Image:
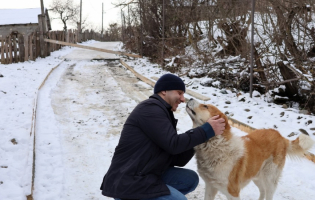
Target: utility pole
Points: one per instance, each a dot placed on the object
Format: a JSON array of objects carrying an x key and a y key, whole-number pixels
[
  {"x": 252, "y": 50},
  {"x": 80, "y": 24},
  {"x": 42, "y": 30},
  {"x": 42, "y": 7},
  {"x": 141, "y": 25},
  {"x": 43, "y": 15},
  {"x": 122, "y": 24},
  {"x": 102, "y": 18},
  {"x": 163, "y": 10},
  {"x": 129, "y": 16},
  {"x": 80, "y": 13}
]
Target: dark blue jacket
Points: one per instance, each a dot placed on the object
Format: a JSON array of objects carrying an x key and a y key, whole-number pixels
[{"x": 148, "y": 145}]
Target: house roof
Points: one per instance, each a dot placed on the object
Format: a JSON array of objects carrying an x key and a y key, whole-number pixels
[{"x": 19, "y": 16}]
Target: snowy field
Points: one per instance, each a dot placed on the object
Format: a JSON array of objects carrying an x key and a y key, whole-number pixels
[{"x": 80, "y": 111}]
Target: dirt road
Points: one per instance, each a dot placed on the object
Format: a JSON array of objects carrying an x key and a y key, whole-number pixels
[{"x": 91, "y": 104}]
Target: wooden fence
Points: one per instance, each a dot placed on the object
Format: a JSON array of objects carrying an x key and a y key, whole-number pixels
[{"x": 19, "y": 48}]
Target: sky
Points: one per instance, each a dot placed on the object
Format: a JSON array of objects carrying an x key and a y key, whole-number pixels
[
  {"x": 80, "y": 112},
  {"x": 92, "y": 9}
]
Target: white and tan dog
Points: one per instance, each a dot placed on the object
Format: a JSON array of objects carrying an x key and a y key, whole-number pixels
[{"x": 227, "y": 163}]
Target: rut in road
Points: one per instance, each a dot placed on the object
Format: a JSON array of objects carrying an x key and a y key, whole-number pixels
[{"x": 91, "y": 102}]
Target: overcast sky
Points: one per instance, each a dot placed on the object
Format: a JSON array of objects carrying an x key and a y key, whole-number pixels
[{"x": 92, "y": 9}]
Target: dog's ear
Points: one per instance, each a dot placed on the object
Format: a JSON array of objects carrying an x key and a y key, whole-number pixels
[
  {"x": 215, "y": 111},
  {"x": 227, "y": 125}
]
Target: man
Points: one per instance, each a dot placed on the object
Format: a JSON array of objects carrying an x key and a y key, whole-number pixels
[{"x": 143, "y": 165}]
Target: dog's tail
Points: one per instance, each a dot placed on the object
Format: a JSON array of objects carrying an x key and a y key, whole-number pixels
[{"x": 300, "y": 146}]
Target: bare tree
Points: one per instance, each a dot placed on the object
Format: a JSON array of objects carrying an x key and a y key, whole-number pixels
[
  {"x": 85, "y": 24},
  {"x": 114, "y": 32},
  {"x": 65, "y": 10}
]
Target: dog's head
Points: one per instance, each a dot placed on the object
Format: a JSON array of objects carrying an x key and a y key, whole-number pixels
[{"x": 200, "y": 113}]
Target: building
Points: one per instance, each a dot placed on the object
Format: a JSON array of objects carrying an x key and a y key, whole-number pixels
[{"x": 21, "y": 21}]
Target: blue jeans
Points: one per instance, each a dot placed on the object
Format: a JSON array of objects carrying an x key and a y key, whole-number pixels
[{"x": 180, "y": 182}]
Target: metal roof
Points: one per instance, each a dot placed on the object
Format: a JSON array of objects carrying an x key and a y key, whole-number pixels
[{"x": 19, "y": 16}]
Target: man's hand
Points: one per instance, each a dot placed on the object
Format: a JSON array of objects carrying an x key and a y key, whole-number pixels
[{"x": 218, "y": 124}]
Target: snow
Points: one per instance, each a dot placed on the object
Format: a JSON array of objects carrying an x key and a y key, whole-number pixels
[
  {"x": 81, "y": 108},
  {"x": 13, "y": 16}
]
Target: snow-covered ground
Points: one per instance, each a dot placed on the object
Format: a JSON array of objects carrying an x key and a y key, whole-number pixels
[{"x": 80, "y": 111}]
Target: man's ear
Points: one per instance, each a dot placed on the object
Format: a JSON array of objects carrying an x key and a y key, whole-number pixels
[{"x": 163, "y": 93}]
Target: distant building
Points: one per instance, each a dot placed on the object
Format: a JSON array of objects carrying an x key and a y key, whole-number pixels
[{"x": 21, "y": 21}]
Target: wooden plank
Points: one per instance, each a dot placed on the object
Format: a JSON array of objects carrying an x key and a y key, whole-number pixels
[
  {"x": 37, "y": 45},
  {"x": 10, "y": 50},
  {"x": 92, "y": 48},
  {"x": 52, "y": 45},
  {"x": 41, "y": 36},
  {"x": 240, "y": 125},
  {"x": 6, "y": 50},
  {"x": 144, "y": 79},
  {"x": 56, "y": 47},
  {"x": 75, "y": 37},
  {"x": 52, "y": 36},
  {"x": 63, "y": 35},
  {"x": 72, "y": 38},
  {"x": 15, "y": 57},
  {"x": 2, "y": 51},
  {"x": 26, "y": 48},
  {"x": 30, "y": 46},
  {"x": 47, "y": 46},
  {"x": 21, "y": 48},
  {"x": 33, "y": 132},
  {"x": 67, "y": 36},
  {"x": 152, "y": 83},
  {"x": 57, "y": 38}
]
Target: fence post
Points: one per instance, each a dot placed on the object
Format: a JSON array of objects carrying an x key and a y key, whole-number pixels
[
  {"x": 72, "y": 36},
  {"x": 2, "y": 50},
  {"x": 79, "y": 31},
  {"x": 6, "y": 50},
  {"x": 63, "y": 36},
  {"x": 10, "y": 50},
  {"x": 41, "y": 36},
  {"x": 15, "y": 58},
  {"x": 21, "y": 48},
  {"x": 30, "y": 46},
  {"x": 67, "y": 35},
  {"x": 47, "y": 45},
  {"x": 37, "y": 45}
]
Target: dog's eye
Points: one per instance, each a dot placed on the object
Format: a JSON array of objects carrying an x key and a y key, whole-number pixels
[{"x": 205, "y": 106}]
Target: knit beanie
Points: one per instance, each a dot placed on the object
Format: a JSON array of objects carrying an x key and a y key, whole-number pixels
[{"x": 169, "y": 82}]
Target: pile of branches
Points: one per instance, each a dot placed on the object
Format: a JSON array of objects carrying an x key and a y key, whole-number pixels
[{"x": 214, "y": 30}]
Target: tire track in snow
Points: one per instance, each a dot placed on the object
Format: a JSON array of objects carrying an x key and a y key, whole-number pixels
[{"x": 91, "y": 106}]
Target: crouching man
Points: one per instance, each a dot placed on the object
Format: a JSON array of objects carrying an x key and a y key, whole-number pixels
[{"x": 149, "y": 149}]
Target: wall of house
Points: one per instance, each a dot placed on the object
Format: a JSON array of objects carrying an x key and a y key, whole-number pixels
[{"x": 24, "y": 29}]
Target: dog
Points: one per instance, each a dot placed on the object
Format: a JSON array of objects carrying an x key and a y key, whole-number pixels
[{"x": 227, "y": 163}]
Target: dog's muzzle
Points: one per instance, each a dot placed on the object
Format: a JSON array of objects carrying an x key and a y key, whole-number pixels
[{"x": 190, "y": 105}]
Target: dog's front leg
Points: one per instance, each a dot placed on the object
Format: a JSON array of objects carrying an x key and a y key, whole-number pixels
[{"x": 210, "y": 192}]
